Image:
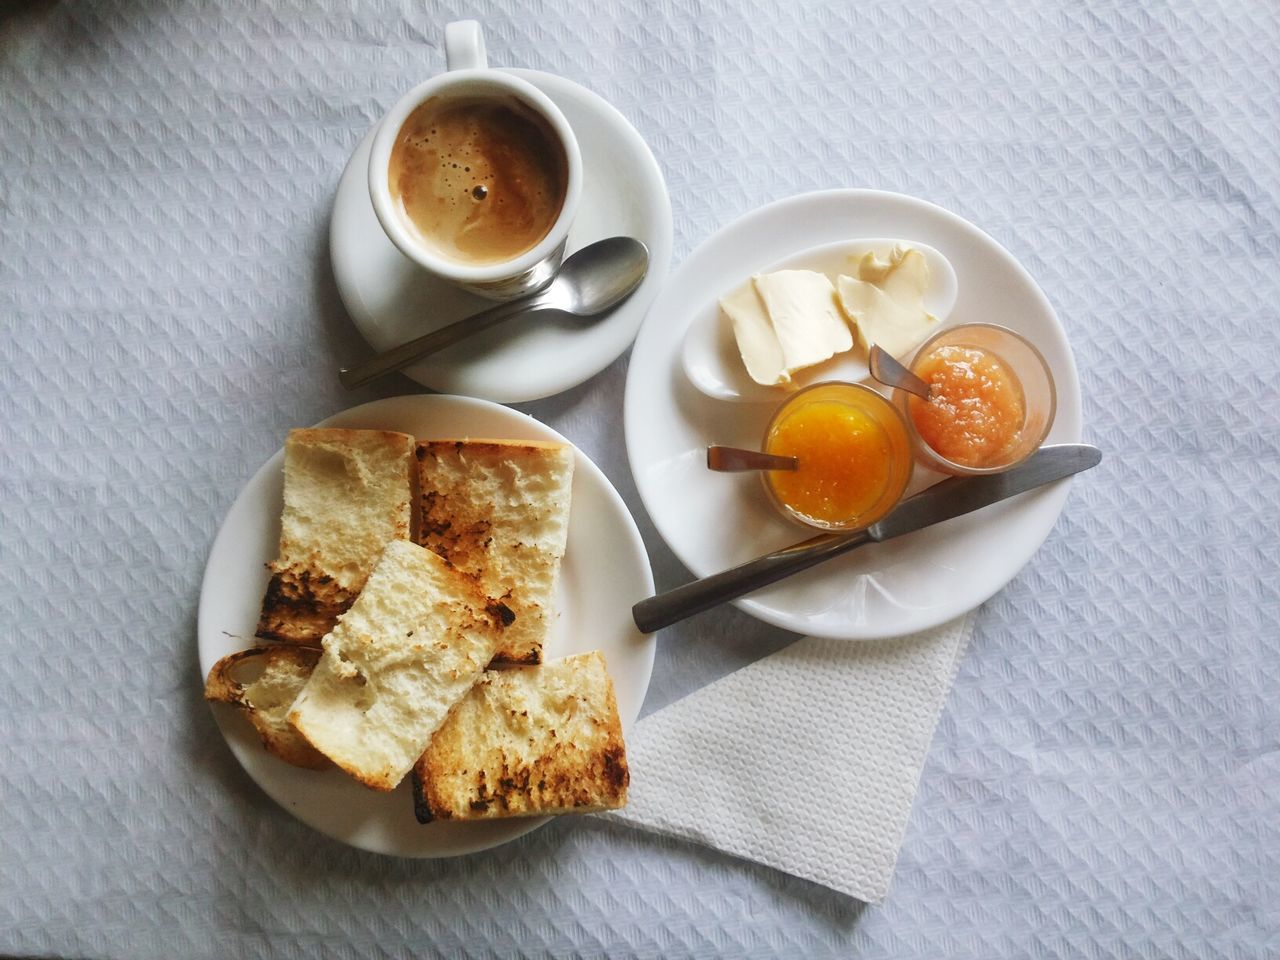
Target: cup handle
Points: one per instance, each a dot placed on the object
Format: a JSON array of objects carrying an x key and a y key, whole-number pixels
[{"x": 464, "y": 46}]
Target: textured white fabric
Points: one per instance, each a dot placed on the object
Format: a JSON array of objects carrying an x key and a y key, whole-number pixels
[
  {"x": 805, "y": 761},
  {"x": 1104, "y": 780}
]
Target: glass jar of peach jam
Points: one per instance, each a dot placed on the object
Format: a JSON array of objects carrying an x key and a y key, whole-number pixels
[{"x": 992, "y": 400}]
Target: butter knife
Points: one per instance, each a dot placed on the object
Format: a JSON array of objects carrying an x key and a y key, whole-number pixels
[{"x": 950, "y": 498}]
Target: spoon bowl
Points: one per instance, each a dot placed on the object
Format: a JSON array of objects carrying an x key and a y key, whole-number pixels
[{"x": 596, "y": 279}]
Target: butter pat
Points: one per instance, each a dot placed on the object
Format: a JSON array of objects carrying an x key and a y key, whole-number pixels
[
  {"x": 802, "y": 308},
  {"x": 758, "y": 344},
  {"x": 786, "y": 321},
  {"x": 885, "y": 301}
]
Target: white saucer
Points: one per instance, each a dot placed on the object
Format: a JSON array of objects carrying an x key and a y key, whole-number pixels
[
  {"x": 713, "y": 521},
  {"x": 392, "y": 300},
  {"x": 605, "y": 572}
]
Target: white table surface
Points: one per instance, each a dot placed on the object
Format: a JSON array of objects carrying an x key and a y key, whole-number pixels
[{"x": 1105, "y": 780}]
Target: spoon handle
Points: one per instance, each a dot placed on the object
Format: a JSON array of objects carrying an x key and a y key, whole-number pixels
[
  {"x": 735, "y": 459},
  {"x": 885, "y": 369},
  {"x": 399, "y": 357}
]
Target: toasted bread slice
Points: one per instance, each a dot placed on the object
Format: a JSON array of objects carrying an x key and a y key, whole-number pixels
[
  {"x": 416, "y": 639},
  {"x": 499, "y": 511},
  {"x": 263, "y": 682},
  {"x": 527, "y": 741},
  {"x": 346, "y": 494}
]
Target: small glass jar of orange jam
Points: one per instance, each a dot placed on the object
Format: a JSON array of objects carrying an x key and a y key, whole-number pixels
[
  {"x": 991, "y": 404},
  {"x": 854, "y": 454}
]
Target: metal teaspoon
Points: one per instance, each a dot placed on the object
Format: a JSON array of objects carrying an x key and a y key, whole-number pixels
[{"x": 591, "y": 282}]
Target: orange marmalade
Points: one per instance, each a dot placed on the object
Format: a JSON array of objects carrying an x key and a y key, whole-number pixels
[
  {"x": 854, "y": 455},
  {"x": 975, "y": 413}
]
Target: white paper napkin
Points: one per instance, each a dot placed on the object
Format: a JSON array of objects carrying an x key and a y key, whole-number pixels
[{"x": 806, "y": 761}]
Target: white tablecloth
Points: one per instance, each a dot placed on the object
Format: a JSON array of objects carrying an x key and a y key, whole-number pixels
[{"x": 1105, "y": 780}]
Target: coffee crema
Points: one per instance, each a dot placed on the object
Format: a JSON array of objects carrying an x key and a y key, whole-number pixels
[{"x": 480, "y": 181}]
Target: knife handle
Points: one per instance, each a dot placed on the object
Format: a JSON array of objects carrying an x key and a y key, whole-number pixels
[{"x": 697, "y": 596}]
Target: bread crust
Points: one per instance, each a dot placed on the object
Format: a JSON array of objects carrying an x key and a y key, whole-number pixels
[{"x": 230, "y": 682}]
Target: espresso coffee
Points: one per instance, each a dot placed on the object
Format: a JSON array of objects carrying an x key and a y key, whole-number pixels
[{"x": 480, "y": 181}]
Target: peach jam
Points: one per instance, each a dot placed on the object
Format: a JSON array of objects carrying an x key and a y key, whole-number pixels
[
  {"x": 975, "y": 414},
  {"x": 853, "y": 450}
]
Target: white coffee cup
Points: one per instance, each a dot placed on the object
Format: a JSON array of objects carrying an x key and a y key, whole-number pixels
[{"x": 469, "y": 76}]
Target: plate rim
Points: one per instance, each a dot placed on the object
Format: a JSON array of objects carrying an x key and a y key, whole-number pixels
[
  {"x": 1068, "y": 390},
  {"x": 205, "y": 616}
]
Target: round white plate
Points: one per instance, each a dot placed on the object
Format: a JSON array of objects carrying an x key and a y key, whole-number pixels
[
  {"x": 392, "y": 300},
  {"x": 713, "y": 521},
  {"x": 605, "y": 571}
]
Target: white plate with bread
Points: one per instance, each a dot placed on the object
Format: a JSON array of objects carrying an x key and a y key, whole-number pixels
[{"x": 532, "y": 672}]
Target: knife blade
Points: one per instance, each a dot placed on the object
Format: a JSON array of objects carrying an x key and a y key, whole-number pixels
[{"x": 943, "y": 501}]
